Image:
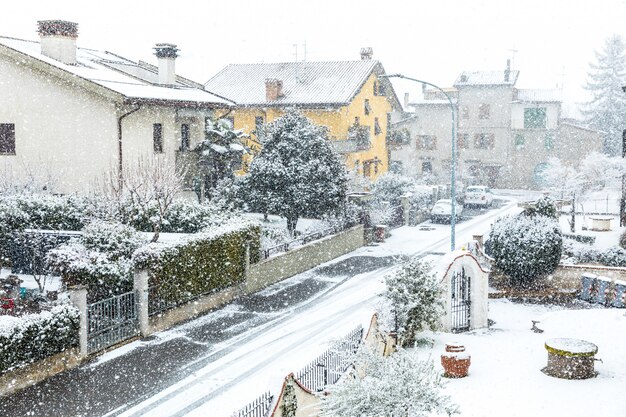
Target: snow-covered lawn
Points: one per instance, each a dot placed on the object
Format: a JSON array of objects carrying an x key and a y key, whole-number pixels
[{"x": 505, "y": 377}]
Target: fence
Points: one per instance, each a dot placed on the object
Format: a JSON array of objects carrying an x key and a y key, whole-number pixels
[
  {"x": 111, "y": 321},
  {"x": 302, "y": 240},
  {"x": 332, "y": 364},
  {"x": 257, "y": 408}
]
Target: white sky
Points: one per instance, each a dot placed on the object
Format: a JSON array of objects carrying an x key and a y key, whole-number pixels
[{"x": 432, "y": 40}]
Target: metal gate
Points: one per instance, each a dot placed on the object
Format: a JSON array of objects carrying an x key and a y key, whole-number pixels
[
  {"x": 461, "y": 291},
  {"x": 111, "y": 321}
]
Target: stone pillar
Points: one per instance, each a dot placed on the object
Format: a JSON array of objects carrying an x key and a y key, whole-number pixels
[
  {"x": 140, "y": 285},
  {"x": 78, "y": 298},
  {"x": 404, "y": 202},
  {"x": 479, "y": 239}
]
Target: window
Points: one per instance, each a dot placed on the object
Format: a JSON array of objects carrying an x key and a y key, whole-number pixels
[
  {"x": 427, "y": 167},
  {"x": 548, "y": 141},
  {"x": 258, "y": 126},
  {"x": 426, "y": 142},
  {"x": 184, "y": 137},
  {"x": 484, "y": 140},
  {"x": 462, "y": 141},
  {"x": 367, "y": 106},
  {"x": 375, "y": 88},
  {"x": 367, "y": 169},
  {"x": 157, "y": 137},
  {"x": 520, "y": 141},
  {"x": 465, "y": 113},
  {"x": 484, "y": 111},
  {"x": 357, "y": 120},
  {"x": 7, "y": 139},
  {"x": 377, "y": 129},
  {"x": 535, "y": 118}
]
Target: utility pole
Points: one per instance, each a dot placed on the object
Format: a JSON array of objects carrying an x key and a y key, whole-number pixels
[{"x": 622, "y": 202}]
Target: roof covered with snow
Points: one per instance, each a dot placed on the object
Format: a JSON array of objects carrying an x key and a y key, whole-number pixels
[
  {"x": 548, "y": 95},
  {"x": 135, "y": 81},
  {"x": 480, "y": 78},
  {"x": 304, "y": 83}
]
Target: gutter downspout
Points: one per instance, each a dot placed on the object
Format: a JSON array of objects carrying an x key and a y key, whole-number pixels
[{"x": 120, "y": 166}]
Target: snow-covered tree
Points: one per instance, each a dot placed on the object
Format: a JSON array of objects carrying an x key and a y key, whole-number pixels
[
  {"x": 599, "y": 170},
  {"x": 526, "y": 247},
  {"x": 562, "y": 179},
  {"x": 607, "y": 109},
  {"x": 413, "y": 300},
  {"x": 297, "y": 172},
  {"x": 400, "y": 385}
]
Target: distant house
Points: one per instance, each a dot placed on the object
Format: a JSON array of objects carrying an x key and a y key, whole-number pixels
[
  {"x": 348, "y": 97},
  {"x": 504, "y": 135},
  {"x": 76, "y": 113}
]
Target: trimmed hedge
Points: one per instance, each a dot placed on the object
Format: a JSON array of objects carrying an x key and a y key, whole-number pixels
[
  {"x": 37, "y": 336},
  {"x": 201, "y": 264}
]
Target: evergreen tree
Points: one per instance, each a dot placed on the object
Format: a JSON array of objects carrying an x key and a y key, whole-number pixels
[
  {"x": 297, "y": 172},
  {"x": 607, "y": 109}
]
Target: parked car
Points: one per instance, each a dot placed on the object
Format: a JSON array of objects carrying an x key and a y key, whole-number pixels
[
  {"x": 478, "y": 195},
  {"x": 442, "y": 211}
]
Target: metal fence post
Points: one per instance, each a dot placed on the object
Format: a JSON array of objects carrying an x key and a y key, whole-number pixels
[
  {"x": 140, "y": 284},
  {"x": 78, "y": 298}
]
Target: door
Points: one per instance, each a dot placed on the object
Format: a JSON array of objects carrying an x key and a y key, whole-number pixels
[{"x": 460, "y": 310}]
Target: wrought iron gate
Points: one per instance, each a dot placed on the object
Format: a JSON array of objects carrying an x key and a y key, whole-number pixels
[
  {"x": 111, "y": 321},
  {"x": 461, "y": 291}
]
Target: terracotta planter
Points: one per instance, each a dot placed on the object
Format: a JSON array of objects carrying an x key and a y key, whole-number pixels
[{"x": 455, "y": 361}]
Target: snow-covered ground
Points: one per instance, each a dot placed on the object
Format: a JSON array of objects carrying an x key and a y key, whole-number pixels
[
  {"x": 603, "y": 239},
  {"x": 505, "y": 377}
]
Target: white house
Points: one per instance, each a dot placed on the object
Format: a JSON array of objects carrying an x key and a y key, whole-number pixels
[{"x": 72, "y": 113}]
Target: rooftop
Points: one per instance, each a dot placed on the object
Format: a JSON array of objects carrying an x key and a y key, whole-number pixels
[
  {"x": 540, "y": 95},
  {"x": 478, "y": 78}
]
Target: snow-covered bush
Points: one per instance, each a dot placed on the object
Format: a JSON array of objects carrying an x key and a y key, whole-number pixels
[
  {"x": 412, "y": 301},
  {"x": 206, "y": 262},
  {"x": 544, "y": 206},
  {"x": 274, "y": 236},
  {"x": 526, "y": 247},
  {"x": 400, "y": 385},
  {"x": 113, "y": 238},
  {"x": 622, "y": 240},
  {"x": 580, "y": 253},
  {"x": 37, "y": 336}
]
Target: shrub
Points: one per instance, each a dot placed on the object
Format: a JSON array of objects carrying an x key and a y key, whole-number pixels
[
  {"x": 525, "y": 248},
  {"x": 207, "y": 262},
  {"x": 37, "y": 336},
  {"x": 543, "y": 207},
  {"x": 413, "y": 300},
  {"x": 113, "y": 238},
  {"x": 622, "y": 240}
]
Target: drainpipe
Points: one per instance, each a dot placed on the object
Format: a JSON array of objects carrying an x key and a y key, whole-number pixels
[{"x": 120, "y": 166}]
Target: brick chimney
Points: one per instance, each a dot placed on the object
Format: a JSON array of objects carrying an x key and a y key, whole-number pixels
[
  {"x": 273, "y": 89},
  {"x": 367, "y": 53},
  {"x": 166, "y": 54},
  {"x": 58, "y": 40},
  {"x": 507, "y": 71}
]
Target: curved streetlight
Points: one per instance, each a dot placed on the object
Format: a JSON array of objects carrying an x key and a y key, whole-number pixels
[{"x": 453, "y": 168}]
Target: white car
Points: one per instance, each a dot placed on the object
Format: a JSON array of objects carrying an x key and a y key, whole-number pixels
[
  {"x": 478, "y": 195},
  {"x": 442, "y": 211}
]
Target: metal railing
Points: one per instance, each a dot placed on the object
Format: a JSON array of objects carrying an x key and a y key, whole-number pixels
[
  {"x": 111, "y": 321},
  {"x": 332, "y": 364},
  {"x": 302, "y": 240},
  {"x": 257, "y": 408}
]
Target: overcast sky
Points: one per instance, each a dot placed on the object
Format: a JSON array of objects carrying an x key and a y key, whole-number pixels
[{"x": 550, "y": 41}]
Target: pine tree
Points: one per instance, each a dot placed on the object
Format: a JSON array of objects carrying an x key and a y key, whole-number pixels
[
  {"x": 607, "y": 109},
  {"x": 297, "y": 172}
]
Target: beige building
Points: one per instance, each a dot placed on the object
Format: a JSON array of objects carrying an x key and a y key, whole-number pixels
[
  {"x": 72, "y": 113},
  {"x": 504, "y": 135}
]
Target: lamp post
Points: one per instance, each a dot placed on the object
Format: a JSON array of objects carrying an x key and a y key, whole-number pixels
[{"x": 453, "y": 167}]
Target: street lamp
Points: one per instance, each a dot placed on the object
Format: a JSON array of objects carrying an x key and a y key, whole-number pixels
[{"x": 453, "y": 168}]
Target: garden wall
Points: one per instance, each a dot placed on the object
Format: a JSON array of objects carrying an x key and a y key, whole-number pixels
[
  {"x": 298, "y": 260},
  {"x": 568, "y": 277}
]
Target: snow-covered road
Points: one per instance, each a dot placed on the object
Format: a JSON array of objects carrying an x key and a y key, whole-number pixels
[{"x": 239, "y": 370}]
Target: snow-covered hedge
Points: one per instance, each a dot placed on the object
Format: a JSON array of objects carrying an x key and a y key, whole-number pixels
[
  {"x": 526, "y": 247},
  {"x": 580, "y": 253},
  {"x": 37, "y": 336},
  {"x": 198, "y": 264}
]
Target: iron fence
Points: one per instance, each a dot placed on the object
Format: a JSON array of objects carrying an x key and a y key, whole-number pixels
[
  {"x": 302, "y": 240},
  {"x": 257, "y": 408},
  {"x": 111, "y": 321},
  {"x": 332, "y": 364}
]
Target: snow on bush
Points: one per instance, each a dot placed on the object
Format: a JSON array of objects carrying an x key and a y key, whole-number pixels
[
  {"x": 400, "y": 385},
  {"x": 37, "y": 336},
  {"x": 544, "y": 206},
  {"x": 412, "y": 301},
  {"x": 113, "y": 238},
  {"x": 581, "y": 253},
  {"x": 526, "y": 247}
]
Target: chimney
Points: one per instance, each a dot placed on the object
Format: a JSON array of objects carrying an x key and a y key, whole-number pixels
[
  {"x": 366, "y": 53},
  {"x": 406, "y": 100},
  {"x": 507, "y": 71},
  {"x": 166, "y": 54},
  {"x": 58, "y": 40},
  {"x": 273, "y": 89}
]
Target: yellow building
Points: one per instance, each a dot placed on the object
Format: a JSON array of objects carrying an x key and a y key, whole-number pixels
[{"x": 348, "y": 97}]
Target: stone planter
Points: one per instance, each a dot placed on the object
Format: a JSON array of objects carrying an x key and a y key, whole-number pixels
[
  {"x": 455, "y": 361},
  {"x": 570, "y": 358}
]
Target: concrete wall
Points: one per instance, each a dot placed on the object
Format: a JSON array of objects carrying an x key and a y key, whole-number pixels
[
  {"x": 568, "y": 277},
  {"x": 298, "y": 260},
  {"x": 309, "y": 404}
]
